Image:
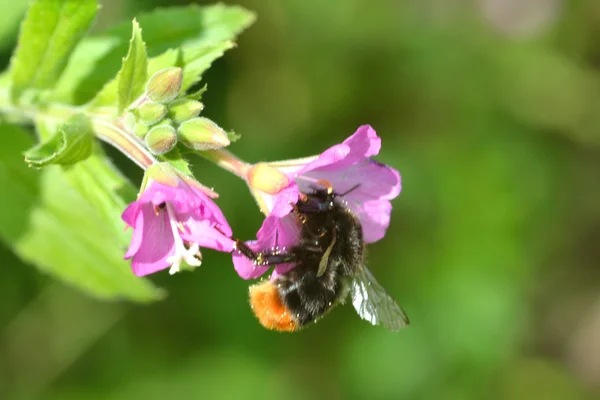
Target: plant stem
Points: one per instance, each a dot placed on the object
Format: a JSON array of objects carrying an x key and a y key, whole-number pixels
[
  {"x": 111, "y": 130},
  {"x": 228, "y": 161},
  {"x": 106, "y": 127},
  {"x": 124, "y": 142}
]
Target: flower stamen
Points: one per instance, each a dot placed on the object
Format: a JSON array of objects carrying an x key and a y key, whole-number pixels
[{"x": 181, "y": 253}]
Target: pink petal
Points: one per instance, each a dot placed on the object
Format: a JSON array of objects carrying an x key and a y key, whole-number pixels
[
  {"x": 284, "y": 200},
  {"x": 369, "y": 201},
  {"x": 245, "y": 266},
  {"x": 211, "y": 212},
  {"x": 156, "y": 243},
  {"x": 130, "y": 213},
  {"x": 183, "y": 198},
  {"x": 362, "y": 144},
  {"x": 364, "y": 141},
  {"x": 274, "y": 232},
  {"x": 138, "y": 227},
  {"x": 374, "y": 217},
  {"x": 203, "y": 233}
]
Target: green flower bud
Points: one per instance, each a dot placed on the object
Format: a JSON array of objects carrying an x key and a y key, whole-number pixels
[
  {"x": 150, "y": 113},
  {"x": 129, "y": 121},
  {"x": 202, "y": 134},
  {"x": 140, "y": 130},
  {"x": 266, "y": 178},
  {"x": 164, "y": 85},
  {"x": 181, "y": 110},
  {"x": 165, "y": 122},
  {"x": 161, "y": 139}
]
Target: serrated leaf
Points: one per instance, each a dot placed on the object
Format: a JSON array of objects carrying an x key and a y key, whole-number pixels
[
  {"x": 197, "y": 95},
  {"x": 233, "y": 137},
  {"x": 134, "y": 71},
  {"x": 73, "y": 142},
  {"x": 197, "y": 59},
  {"x": 97, "y": 59},
  {"x": 51, "y": 225},
  {"x": 98, "y": 181},
  {"x": 176, "y": 160},
  {"x": 105, "y": 189},
  {"x": 48, "y": 34}
]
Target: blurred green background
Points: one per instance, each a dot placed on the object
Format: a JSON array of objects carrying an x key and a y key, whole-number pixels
[{"x": 490, "y": 109}]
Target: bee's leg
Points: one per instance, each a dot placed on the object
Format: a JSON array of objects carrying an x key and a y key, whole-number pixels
[
  {"x": 269, "y": 257},
  {"x": 244, "y": 249},
  {"x": 274, "y": 258}
]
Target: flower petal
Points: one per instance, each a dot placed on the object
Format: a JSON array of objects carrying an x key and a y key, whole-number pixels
[
  {"x": 274, "y": 232},
  {"x": 374, "y": 218},
  {"x": 362, "y": 144},
  {"x": 156, "y": 241},
  {"x": 131, "y": 218},
  {"x": 378, "y": 184},
  {"x": 203, "y": 232},
  {"x": 364, "y": 141},
  {"x": 208, "y": 210},
  {"x": 182, "y": 197},
  {"x": 245, "y": 267}
]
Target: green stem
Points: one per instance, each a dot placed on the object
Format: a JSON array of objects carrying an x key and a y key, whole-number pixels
[
  {"x": 124, "y": 142},
  {"x": 228, "y": 161},
  {"x": 106, "y": 127},
  {"x": 112, "y": 131}
]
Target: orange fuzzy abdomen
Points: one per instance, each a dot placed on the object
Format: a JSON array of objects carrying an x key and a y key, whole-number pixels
[{"x": 268, "y": 308}]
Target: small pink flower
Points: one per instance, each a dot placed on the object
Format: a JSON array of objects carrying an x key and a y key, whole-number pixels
[
  {"x": 171, "y": 220},
  {"x": 348, "y": 167}
]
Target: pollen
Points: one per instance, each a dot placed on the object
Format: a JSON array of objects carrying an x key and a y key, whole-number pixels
[
  {"x": 268, "y": 308},
  {"x": 326, "y": 184}
]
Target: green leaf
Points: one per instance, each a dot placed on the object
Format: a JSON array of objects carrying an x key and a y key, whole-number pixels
[
  {"x": 176, "y": 160},
  {"x": 105, "y": 189},
  {"x": 48, "y": 223},
  {"x": 233, "y": 137},
  {"x": 133, "y": 74},
  {"x": 197, "y": 95},
  {"x": 97, "y": 59},
  {"x": 98, "y": 181},
  {"x": 11, "y": 14},
  {"x": 73, "y": 142},
  {"x": 198, "y": 59},
  {"x": 49, "y": 33}
]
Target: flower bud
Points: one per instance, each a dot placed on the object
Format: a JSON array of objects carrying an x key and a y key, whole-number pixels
[
  {"x": 166, "y": 122},
  {"x": 164, "y": 85},
  {"x": 202, "y": 134},
  {"x": 266, "y": 178},
  {"x": 150, "y": 113},
  {"x": 161, "y": 139},
  {"x": 141, "y": 130},
  {"x": 181, "y": 110},
  {"x": 129, "y": 121}
]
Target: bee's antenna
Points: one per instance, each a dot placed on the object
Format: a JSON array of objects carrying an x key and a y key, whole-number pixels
[{"x": 353, "y": 188}]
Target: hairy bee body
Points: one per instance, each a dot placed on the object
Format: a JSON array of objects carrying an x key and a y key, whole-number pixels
[{"x": 329, "y": 264}]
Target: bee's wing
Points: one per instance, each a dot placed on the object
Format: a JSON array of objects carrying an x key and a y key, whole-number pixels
[{"x": 374, "y": 304}]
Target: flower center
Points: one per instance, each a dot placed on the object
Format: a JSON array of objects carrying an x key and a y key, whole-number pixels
[{"x": 181, "y": 253}]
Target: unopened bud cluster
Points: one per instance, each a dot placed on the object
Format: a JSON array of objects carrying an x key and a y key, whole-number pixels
[{"x": 164, "y": 119}]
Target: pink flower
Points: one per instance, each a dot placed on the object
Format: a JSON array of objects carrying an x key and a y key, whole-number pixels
[
  {"x": 347, "y": 167},
  {"x": 171, "y": 220}
]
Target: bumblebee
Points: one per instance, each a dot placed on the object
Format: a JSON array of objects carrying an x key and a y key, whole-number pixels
[{"x": 329, "y": 266}]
